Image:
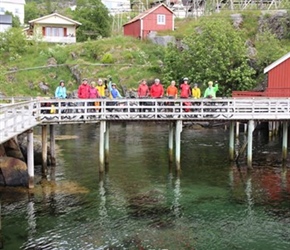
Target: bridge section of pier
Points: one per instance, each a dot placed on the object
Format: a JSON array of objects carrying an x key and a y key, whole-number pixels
[{"x": 19, "y": 116}]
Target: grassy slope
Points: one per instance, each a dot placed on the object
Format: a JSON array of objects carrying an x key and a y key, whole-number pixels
[{"x": 127, "y": 60}]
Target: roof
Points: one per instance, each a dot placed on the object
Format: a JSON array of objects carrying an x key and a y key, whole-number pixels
[
  {"x": 5, "y": 19},
  {"x": 54, "y": 14},
  {"x": 13, "y": 1},
  {"x": 147, "y": 12},
  {"x": 276, "y": 63}
]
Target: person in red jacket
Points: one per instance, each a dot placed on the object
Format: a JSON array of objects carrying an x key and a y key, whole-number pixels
[
  {"x": 143, "y": 92},
  {"x": 84, "y": 90},
  {"x": 156, "y": 90},
  {"x": 143, "y": 89},
  {"x": 84, "y": 93},
  {"x": 185, "y": 89}
]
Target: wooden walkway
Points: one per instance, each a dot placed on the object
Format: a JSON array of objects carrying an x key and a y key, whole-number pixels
[{"x": 19, "y": 117}]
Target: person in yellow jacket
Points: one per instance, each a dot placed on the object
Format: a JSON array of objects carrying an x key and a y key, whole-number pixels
[
  {"x": 195, "y": 92},
  {"x": 101, "y": 88}
]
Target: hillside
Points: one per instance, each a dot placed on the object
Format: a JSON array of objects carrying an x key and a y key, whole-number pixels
[{"x": 36, "y": 68}]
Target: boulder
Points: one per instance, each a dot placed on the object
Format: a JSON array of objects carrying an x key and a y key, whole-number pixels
[
  {"x": 2, "y": 150},
  {"x": 12, "y": 149},
  {"x": 13, "y": 172}
]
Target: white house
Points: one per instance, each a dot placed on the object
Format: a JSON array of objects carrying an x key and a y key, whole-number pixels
[
  {"x": 5, "y": 22},
  {"x": 53, "y": 28},
  {"x": 117, "y": 6},
  {"x": 16, "y": 7}
]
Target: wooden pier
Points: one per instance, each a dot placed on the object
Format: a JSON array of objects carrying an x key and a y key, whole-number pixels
[{"x": 23, "y": 116}]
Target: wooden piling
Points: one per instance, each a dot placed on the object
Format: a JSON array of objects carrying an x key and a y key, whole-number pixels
[
  {"x": 170, "y": 141},
  {"x": 44, "y": 148},
  {"x": 52, "y": 145},
  {"x": 30, "y": 158}
]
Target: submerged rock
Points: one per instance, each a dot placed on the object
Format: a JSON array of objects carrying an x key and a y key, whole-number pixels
[{"x": 13, "y": 172}]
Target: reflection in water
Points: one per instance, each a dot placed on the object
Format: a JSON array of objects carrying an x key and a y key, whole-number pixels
[
  {"x": 31, "y": 219},
  {"x": 176, "y": 200},
  {"x": 102, "y": 206},
  {"x": 250, "y": 200},
  {"x": 142, "y": 205}
]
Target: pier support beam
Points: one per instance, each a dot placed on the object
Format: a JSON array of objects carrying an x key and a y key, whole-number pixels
[
  {"x": 178, "y": 131},
  {"x": 285, "y": 140},
  {"x": 102, "y": 145},
  {"x": 52, "y": 145},
  {"x": 30, "y": 158},
  {"x": 44, "y": 148},
  {"x": 250, "y": 142},
  {"x": 107, "y": 136},
  {"x": 237, "y": 129},
  {"x": 232, "y": 141},
  {"x": 170, "y": 141}
]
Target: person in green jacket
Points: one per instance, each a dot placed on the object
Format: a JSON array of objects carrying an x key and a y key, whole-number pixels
[{"x": 210, "y": 92}]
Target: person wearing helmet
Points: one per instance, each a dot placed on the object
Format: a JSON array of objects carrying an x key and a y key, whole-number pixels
[
  {"x": 113, "y": 89},
  {"x": 211, "y": 90},
  {"x": 195, "y": 93},
  {"x": 60, "y": 91},
  {"x": 185, "y": 89}
]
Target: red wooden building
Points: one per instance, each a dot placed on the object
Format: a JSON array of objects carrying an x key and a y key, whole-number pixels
[
  {"x": 157, "y": 18},
  {"x": 278, "y": 80}
]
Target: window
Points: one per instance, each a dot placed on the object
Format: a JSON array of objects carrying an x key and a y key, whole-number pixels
[
  {"x": 161, "y": 19},
  {"x": 53, "y": 31},
  {"x": 2, "y": 10},
  {"x": 16, "y": 11}
]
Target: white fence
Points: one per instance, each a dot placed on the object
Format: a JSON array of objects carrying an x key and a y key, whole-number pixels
[
  {"x": 90, "y": 110},
  {"x": 16, "y": 118}
]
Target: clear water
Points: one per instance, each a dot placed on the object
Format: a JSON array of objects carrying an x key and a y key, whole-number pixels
[{"x": 142, "y": 203}]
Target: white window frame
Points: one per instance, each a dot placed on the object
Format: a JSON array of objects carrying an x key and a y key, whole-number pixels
[{"x": 161, "y": 19}]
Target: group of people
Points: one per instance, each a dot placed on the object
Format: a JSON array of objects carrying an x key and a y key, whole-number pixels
[
  {"x": 101, "y": 90},
  {"x": 90, "y": 90},
  {"x": 157, "y": 90}
]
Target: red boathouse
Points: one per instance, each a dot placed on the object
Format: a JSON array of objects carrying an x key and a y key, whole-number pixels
[
  {"x": 157, "y": 18},
  {"x": 278, "y": 80}
]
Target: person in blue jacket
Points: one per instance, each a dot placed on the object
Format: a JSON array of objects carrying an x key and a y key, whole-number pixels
[
  {"x": 60, "y": 91},
  {"x": 113, "y": 90}
]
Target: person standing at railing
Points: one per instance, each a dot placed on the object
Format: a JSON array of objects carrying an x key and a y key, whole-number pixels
[
  {"x": 143, "y": 92},
  {"x": 113, "y": 89},
  {"x": 83, "y": 91},
  {"x": 101, "y": 88},
  {"x": 157, "y": 90},
  {"x": 195, "y": 92},
  {"x": 60, "y": 93},
  {"x": 210, "y": 92},
  {"x": 172, "y": 91},
  {"x": 185, "y": 92},
  {"x": 93, "y": 94}
]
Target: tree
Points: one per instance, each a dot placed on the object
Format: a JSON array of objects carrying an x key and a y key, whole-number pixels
[
  {"x": 15, "y": 20},
  {"x": 13, "y": 42},
  {"x": 31, "y": 11},
  {"x": 215, "y": 51},
  {"x": 95, "y": 20}
]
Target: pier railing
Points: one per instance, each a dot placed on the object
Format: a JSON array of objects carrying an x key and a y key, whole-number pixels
[
  {"x": 90, "y": 110},
  {"x": 15, "y": 118}
]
